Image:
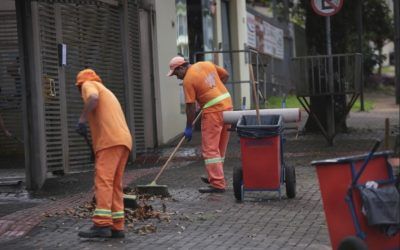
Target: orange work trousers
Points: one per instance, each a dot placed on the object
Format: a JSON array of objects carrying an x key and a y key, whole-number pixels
[
  {"x": 215, "y": 137},
  {"x": 110, "y": 166}
]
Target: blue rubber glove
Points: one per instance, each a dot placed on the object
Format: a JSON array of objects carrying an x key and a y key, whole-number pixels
[
  {"x": 81, "y": 129},
  {"x": 188, "y": 133}
]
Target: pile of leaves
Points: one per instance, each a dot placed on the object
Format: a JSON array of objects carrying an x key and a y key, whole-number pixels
[{"x": 133, "y": 217}]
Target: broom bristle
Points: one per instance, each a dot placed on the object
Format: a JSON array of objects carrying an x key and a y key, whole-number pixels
[{"x": 153, "y": 189}]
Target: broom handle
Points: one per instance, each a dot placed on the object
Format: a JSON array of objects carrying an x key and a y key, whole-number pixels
[
  {"x": 92, "y": 155},
  {"x": 255, "y": 93},
  {"x": 176, "y": 149}
]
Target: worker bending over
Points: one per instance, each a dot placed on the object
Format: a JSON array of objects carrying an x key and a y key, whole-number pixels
[{"x": 204, "y": 82}]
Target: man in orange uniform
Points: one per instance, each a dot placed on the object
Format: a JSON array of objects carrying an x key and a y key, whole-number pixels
[
  {"x": 112, "y": 143},
  {"x": 204, "y": 82}
]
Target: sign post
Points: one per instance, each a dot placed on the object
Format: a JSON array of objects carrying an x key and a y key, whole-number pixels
[{"x": 328, "y": 8}]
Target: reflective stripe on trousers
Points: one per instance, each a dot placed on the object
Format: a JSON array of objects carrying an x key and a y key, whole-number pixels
[
  {"x": 117, "y": 215},
  {"x": 214, "y": 160},
  {"x": 215, "y": 137},
  {"x": 110, "y": 166}
]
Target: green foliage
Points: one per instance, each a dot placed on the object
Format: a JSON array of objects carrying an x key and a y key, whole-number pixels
[
  {"x": 378, "y": 22},
  {"x": 370, "y": 59},
  {"x": 281, "y": 11},
  {"x": 298, "y": 15},
  {"x": 292, "y": 102},
  {"x": 388, "y": 70},
  {"x": 377, "y": 28},
  {"x": 368, "y": 105},
  {"x": 380, "y": 26},
  {"x": 382, "y": 89},
  {"x": 276, "y": 102}
]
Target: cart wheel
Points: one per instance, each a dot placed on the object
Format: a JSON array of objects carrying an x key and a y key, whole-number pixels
[
  {"x": 237, "y": 183},
  {"x": 290, "y": 180},
  {"x": 352, "y": 243}
]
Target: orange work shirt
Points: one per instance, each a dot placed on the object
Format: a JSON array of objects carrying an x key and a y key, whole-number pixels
[
  {"x": 202, "y": 83},
  {"x": 107, "y": 121}
]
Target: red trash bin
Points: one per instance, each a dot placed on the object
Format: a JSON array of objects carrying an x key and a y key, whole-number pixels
[
  {"x": 335, "y": 176},
  {"x": 262, "y": 156},
  {"x": 261, "y": 162}
]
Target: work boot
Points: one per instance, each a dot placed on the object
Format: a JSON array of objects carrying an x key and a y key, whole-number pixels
[
  {"x": 117, "y": 234},
  {"x": 204, "y": 179},
  {"x": 211, "y": 190},
  {"x": 96, "y": 232}
]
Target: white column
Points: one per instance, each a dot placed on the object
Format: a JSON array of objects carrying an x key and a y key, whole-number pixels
[{"x": 239, "y": 39}]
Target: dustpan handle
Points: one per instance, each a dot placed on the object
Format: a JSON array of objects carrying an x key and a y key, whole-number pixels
[{"x": 176, "y": 149}]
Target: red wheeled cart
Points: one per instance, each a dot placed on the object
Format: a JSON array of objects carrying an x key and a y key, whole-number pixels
[
  {"x": 341, "y": 181},
  {"x": 263, "y": 168}
]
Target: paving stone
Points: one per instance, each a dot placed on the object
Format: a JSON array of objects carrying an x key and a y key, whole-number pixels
[{"x": 216, "y": 221}]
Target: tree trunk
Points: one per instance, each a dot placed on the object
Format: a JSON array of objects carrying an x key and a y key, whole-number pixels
[
  {"x": 316, "y": 41},
  {"x": 380, "y": 61},
  {"x": 318, "y": 107}
]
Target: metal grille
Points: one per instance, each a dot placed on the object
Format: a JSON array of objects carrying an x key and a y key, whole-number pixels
[
  {"x": 92, "y": 35},
  {"x": 10, "y": 84},
  {"x": 50, "y": 86},
  {"x": 311, "y": 74},
  {"x": 134, "y": 43}
]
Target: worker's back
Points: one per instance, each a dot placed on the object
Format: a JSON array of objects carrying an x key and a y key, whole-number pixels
[
  {"x": 203, "y": 83},
  {"x": 107, "y": 121}
]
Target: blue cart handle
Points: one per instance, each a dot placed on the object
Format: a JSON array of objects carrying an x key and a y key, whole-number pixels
[{"x": 371, "y": 153}]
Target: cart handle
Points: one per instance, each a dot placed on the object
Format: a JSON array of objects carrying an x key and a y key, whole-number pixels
[{"x": 371, "y": 153}]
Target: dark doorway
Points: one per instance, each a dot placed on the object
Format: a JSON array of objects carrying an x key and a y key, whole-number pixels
[
  {"x": 195, "y": 26},
  {"x": 12, "y": 157}
]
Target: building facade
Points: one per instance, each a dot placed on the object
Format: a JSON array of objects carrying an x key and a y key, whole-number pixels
[{"x": 45, "y": 43}]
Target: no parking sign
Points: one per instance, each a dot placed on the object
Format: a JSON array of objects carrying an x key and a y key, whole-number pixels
[{"x": 326, "y": 7}]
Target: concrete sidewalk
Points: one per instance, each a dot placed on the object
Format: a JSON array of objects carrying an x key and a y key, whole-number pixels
[{"x": 213, "y": 221}]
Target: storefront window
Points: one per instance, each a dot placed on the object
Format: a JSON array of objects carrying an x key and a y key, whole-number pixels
[
  {"x": 182, "y": 28},
  {"x": 208, "y": 12}
]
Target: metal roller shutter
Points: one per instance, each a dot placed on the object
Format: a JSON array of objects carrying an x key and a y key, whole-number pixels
[
  {"x": 51, "y": 88},
  {"x": 10, "y": 84},
  {"x": 92, "y": 35},
  {"x": 134, "y": 43}
]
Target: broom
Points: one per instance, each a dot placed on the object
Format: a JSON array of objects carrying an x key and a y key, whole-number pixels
[{"x": 153, "y": 188}]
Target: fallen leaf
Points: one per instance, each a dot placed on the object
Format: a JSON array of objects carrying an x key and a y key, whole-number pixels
[{"x": 146, "y": 229}]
